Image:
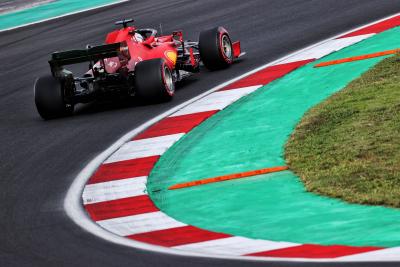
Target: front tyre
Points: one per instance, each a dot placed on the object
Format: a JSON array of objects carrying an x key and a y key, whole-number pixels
[
  {"x": 215, "y": 48},
  {"x": 154, "y": 81},
  {"x": 49, "y": 98}
]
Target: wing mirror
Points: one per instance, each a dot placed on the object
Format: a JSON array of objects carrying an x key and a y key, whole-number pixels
[{"x": 178, "y": 35}]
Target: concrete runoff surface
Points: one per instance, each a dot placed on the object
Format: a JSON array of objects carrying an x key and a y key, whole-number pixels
[{"x": 41, "y": 159}]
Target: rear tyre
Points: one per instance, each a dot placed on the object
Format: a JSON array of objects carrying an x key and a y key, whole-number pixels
[
  {"x": 153, "y": 81},
  {"x": 215, "y": 47},
  {"x": 49, "y": 98}
]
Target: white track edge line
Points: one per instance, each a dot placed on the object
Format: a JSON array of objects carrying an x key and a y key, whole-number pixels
[
  {"x": 64, "y": 15},
  {"x": 75, "y": 210}
]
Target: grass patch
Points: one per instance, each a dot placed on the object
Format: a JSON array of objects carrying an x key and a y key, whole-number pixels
[{"x": 348, "y": 147}]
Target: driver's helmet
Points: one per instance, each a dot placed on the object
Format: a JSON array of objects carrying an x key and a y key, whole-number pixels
[{"x": 138, "y": 37}]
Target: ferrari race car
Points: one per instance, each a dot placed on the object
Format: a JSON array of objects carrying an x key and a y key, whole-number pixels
[{"x": 132, "y": 62}]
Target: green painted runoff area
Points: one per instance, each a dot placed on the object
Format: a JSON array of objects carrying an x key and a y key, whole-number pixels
[
  {"x": 250, "y": 135},
  {"x": 47, "y": 11}
]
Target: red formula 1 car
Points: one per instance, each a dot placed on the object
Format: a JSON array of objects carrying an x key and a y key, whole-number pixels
[{"x": 133, "y": 62}]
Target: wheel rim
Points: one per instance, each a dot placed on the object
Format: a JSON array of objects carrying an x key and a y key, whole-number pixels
[
  {"x": 168, "y": 80},
  {"x": 226, "y": 46}
]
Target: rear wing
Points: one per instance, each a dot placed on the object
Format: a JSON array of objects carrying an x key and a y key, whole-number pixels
[{"x": 90, "y": 54}]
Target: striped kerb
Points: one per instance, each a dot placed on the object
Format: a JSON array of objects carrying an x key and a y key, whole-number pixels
[{"x": 116, "y": 198}]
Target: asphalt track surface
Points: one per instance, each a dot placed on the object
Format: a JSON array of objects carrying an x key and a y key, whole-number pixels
[{"x": 39, "y": 160}]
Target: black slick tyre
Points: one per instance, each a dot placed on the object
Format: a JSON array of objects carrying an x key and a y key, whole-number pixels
[
  {"x": 49, "y": 98},
  {"x": 215, "y": 47},
  {"x": 153, "y": 81}
]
